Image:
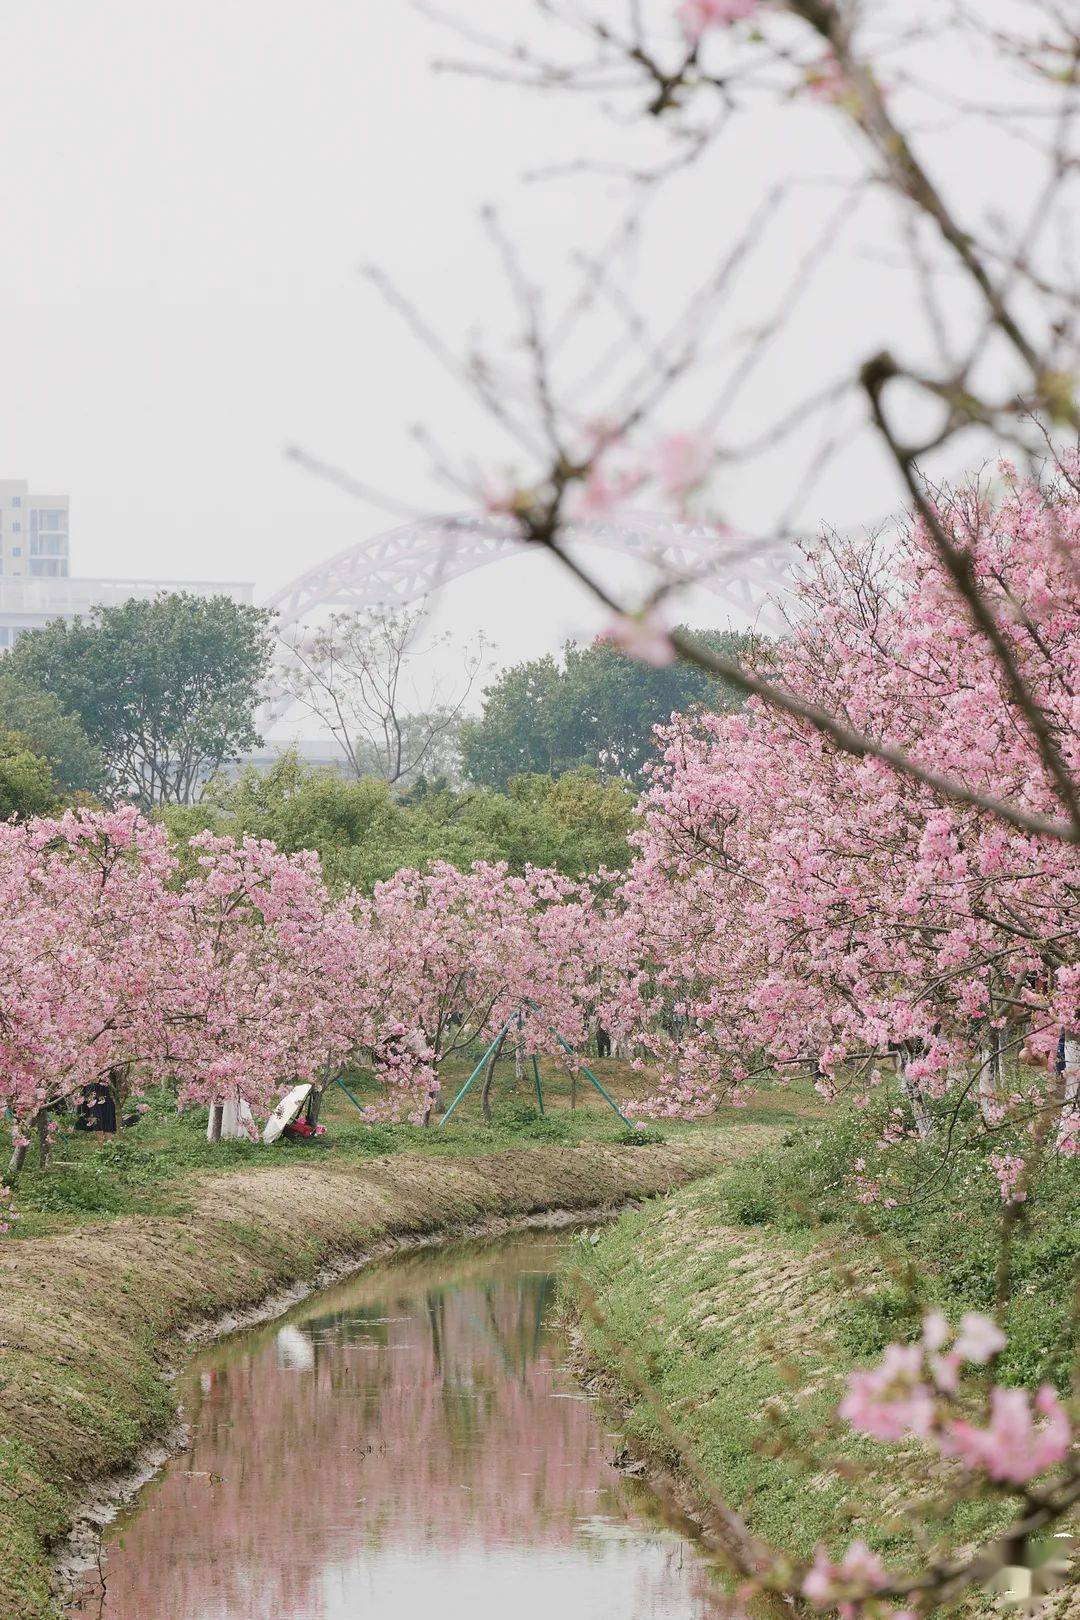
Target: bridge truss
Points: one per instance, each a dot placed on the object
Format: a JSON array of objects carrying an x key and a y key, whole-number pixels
[{"x": 392, "y": 571}]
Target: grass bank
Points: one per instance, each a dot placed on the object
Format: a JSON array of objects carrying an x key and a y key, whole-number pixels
[
  {"x": 148, "y": 1170},
  {"x": 742, "y": 1303},
  {"x": 92, "y": 1310}
]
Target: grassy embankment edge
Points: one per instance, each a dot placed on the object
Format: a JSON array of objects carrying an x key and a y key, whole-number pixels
[
  {"x": 93, "y": 1321},
  {"x": 742, "y": 1335}
]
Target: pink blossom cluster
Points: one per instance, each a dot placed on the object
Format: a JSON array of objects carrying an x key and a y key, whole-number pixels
[
  {"x": 868, "y": 1188},
  {"x": 697, "y": 17},
  {"x": 795, "y": 907},
  {"x": 675, "y": 468},
  {"x": 843, "y": 1585},
  {"x": 915, "y": 1391},
  {"x": 1008, "y": 1168}
]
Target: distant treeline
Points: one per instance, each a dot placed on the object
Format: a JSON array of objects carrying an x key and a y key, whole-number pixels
[{"x": 149, "y": 701}]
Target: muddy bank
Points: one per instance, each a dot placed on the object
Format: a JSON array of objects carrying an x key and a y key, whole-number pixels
[{"x": 92, "y": 1322}]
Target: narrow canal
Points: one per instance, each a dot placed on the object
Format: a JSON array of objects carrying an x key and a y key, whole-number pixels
[{"x": 407, "y": 1443}]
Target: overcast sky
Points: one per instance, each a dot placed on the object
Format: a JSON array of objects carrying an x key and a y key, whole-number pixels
[{"x": 189, "y": 194}]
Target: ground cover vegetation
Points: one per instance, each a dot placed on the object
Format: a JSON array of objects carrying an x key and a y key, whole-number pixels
[{"x": 769, "y": 1287}]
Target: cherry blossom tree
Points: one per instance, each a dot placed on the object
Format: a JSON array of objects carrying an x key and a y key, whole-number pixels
[
  {"x": 463, "y": 952},
  {"x": 87, "y": 952},
  {"x": 796, "y": 901},
  {"x": 272, "y": 992}
]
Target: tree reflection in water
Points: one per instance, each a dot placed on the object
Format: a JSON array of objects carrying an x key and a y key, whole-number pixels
[{"x": 407, "y": 1439}]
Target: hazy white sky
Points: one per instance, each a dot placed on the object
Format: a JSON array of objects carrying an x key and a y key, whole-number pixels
[{"x": 189, "y": 193}]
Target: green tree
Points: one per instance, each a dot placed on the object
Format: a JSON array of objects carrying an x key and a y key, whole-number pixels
[
  {"x": 597, "y": 708},
  {"x": 27, "y": 786},
  {"x": 165, "y": 689},
  {"x": 52, "y": 732},
  {"x": 362, "y": 832}
]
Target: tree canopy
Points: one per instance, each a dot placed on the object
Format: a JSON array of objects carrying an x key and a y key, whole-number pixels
[
  {"x": 595, "y": 708},
  {"x": 363, "y": 833},
  {"x": 51, "y": 732},
  {"x": 165, "y": 689},
  {"x": 27, "y": 787}
]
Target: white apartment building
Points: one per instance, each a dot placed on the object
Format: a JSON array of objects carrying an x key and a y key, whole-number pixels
[
  {"x": 35, "y": 584},
  {"x": 33, "y": 532}
]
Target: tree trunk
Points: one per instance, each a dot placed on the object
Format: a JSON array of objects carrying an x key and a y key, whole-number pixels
[
  {"x": 913, "y": 1091},
  {"x": 213, "y": 1133},
  {"x": 990, "y": 1078},
  {"x": 118, "y": 1086},
  {"x": 17, "y": 1160},
  {"x": 434, "y": 1104},
  {"x": 489, "y": 1074},
  {"x": 1070, "y": 1092},
  {"x": 315, "y": 1104}
]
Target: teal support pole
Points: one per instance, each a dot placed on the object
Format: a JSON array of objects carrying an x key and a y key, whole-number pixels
[
  {"x": 590, "y": 1076},
  {"x": 612, "y": 1104},
  {"x": 340, "y": 1082},
  {"x": 586, "y": 1071},
  {"x": 475, "y": 1072}
]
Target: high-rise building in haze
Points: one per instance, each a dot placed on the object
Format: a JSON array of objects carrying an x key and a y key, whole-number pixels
[
  {"x": 33, "y": 532},
  {"x": 35, "y": 581}
]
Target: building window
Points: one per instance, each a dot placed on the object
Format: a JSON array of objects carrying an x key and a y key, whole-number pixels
[
  {"x": 16, "y": 551},
  {"x": 17, "y": 526},
  {"x": 45, "y": 567},
  {"x": 48, "y": 545},
  {"x": 16, "y": 500}
]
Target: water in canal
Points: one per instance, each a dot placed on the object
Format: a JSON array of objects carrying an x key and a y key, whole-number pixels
[{"x": 407, "y": 1443}]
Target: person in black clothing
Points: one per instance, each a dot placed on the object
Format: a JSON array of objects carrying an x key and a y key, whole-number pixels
[{"x": 97, "y": 1110}]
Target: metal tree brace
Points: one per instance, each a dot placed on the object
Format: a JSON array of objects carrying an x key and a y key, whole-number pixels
[{"x": 517, "y": 1018}]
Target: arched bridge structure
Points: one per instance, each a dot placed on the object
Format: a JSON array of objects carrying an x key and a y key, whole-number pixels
[{"x": 404, "y": 565}]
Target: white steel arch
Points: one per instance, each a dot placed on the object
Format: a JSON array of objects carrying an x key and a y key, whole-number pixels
[{"x": 404, "y": 565}]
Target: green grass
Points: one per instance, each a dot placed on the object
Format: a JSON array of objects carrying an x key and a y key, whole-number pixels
[
  {"x": 145, "y": 1170},
  {"x": 745, "y": 1300},
  {"x": 940, "y": 1243}
]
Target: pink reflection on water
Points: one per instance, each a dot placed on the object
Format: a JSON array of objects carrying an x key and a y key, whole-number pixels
[{"x": 407, "y": 1441}]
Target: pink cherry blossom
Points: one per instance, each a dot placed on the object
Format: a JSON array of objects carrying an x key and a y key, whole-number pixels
[
  {"x": 644, "y": 637},
  {"x": 683, "y": 461},
  {"x": 891, "y": 1400},
  {"x": 827, "y": 1584},
  {"x": 1013, "y": 1446},
  {"x": 696, "y": 17},
  {"x": 915, "y": 1390},
  {"x": 978, "y": 1339},
  {"x": 1008, "y": 1168}
]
